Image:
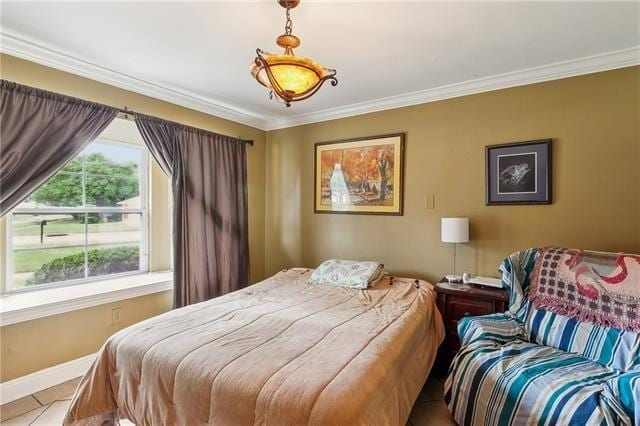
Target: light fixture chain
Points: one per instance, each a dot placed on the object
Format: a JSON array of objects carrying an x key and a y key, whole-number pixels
[{"x": 289, "y": 25}]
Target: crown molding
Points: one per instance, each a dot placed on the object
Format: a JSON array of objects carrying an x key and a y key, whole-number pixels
[
  {"x": 21, "y": 47},
  {"x": 571, "y": 68}
]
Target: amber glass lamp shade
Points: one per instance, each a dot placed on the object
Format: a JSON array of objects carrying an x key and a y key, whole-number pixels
[
  {"x": 290, "y": 77},
  {"x": 294, "y": 74}
]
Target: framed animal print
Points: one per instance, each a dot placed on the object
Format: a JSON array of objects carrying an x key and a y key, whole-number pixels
[
  {"x": 360, "y": 176},
  {"x": 519, "y": 173}
]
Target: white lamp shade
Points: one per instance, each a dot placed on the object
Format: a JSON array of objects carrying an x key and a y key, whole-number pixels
[{"x": 455, "y": 229}]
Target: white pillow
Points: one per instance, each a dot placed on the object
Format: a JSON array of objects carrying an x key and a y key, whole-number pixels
[{"x": 346, "y": 273}]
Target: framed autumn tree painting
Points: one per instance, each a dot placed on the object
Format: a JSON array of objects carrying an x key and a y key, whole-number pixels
[{"x": 360, "y": 176}]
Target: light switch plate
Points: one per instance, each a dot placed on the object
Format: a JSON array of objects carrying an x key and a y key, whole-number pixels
[{"x": 430, "y": 202}]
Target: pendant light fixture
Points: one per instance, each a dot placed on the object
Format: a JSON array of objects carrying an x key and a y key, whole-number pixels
[{"x": 289, "y": 77}]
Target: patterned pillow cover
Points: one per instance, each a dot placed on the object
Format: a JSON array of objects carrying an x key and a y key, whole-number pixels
[{"x": 346, "y": 273}]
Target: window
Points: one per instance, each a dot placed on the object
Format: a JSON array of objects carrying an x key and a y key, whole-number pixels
[{"x": 89, "y": 220}]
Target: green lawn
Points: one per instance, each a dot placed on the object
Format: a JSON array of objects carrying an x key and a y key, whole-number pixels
[
  {"x": 31, "y": 260},
  {"x": 68, "y": 226}
]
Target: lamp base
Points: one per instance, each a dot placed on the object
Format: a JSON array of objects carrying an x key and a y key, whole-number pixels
[{"x": 453, "y": 278}]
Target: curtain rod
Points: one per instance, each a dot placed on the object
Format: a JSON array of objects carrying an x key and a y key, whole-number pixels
[{"x": 127, "y": 114}]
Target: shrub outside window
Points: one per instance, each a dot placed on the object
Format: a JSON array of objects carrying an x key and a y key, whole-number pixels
[{"x": 88, "y": 221}]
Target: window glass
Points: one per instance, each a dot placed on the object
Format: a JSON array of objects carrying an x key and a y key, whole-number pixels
[
  {"x": 64, "y": 189},
  {"x": 47, "y": 248},
  {"x": 112, "y": 174},
  {"x": 85, "y": 221},
  {"x": 114, "y": 243}
]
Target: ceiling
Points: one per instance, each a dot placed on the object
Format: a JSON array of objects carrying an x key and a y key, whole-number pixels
[{"x": 387, "y": 54}]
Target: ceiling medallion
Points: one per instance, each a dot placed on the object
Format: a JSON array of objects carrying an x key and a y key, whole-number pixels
[{"x": 289, "y": 77}]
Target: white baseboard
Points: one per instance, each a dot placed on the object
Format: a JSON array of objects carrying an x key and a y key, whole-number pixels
[{"x": 34, "y": 382}]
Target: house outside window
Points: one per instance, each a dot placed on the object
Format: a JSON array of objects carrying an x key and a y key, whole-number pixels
[{"x": 87, "y": 222}]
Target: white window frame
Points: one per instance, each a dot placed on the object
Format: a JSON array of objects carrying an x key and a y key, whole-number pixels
[{"x": 143, "y": 210}]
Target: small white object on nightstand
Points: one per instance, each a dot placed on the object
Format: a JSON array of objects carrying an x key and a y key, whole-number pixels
[{"x": 489, "y": 282}]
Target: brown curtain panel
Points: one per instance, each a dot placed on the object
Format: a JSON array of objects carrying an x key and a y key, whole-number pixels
[
  {"x": 210, "y": 218},
  {"x": 40, "y": 132}
]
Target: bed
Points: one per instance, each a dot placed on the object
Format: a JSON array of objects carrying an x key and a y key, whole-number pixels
[{"x": 280, "y": 352}]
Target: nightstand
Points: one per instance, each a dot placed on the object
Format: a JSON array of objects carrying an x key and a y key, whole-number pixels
[{"x": 456, "y": 301}]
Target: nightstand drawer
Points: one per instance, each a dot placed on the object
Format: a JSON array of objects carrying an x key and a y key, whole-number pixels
[
  {"x": 458, "y": 301},
  {"x": 460, "y": 307}
]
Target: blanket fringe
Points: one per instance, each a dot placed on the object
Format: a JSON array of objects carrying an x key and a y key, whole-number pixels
[{"x": 551, "y": 304}]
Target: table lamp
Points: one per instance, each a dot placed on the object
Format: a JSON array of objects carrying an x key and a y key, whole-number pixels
[{"x": 455, "y": 230}]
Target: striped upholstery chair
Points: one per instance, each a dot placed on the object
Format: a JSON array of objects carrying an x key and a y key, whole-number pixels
[{"x": 529, "y": 366}]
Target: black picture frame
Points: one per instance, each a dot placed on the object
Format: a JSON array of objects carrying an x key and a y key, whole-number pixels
[{"x": 518, "y": 173}]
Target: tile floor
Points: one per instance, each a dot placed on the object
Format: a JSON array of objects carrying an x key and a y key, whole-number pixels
[
  {"x": 46, "y": 407},
  {"x": 49, "y": 406},
  {"x": 430, "y": 409}
]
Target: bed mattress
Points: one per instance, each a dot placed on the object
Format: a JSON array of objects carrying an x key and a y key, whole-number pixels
[{"x": 280, "y": 352}]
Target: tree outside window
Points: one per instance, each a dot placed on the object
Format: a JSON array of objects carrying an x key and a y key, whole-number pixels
[{"x": 86, "y": 221}]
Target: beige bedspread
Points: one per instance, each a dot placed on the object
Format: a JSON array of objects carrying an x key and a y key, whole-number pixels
[{"x": 280, "y": 352}]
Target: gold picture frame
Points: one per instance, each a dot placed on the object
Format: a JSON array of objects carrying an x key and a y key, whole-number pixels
[{"x": 360, "y": 176}]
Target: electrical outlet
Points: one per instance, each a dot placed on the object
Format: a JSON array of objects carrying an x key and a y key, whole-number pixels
[{"x": 116, "y": 315}]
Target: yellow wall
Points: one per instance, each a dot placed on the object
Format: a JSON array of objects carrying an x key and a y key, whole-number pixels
[
  {"x": 33, "y": 345},
  {"x": 41, "y": 343},
  {"x": 593, "y": 121}
]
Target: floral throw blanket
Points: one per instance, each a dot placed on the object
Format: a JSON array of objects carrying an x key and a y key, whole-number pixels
[{"x": 602, "y": 288}]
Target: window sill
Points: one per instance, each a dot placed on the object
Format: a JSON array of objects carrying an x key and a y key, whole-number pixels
[{"x": 20, "y": 307}]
